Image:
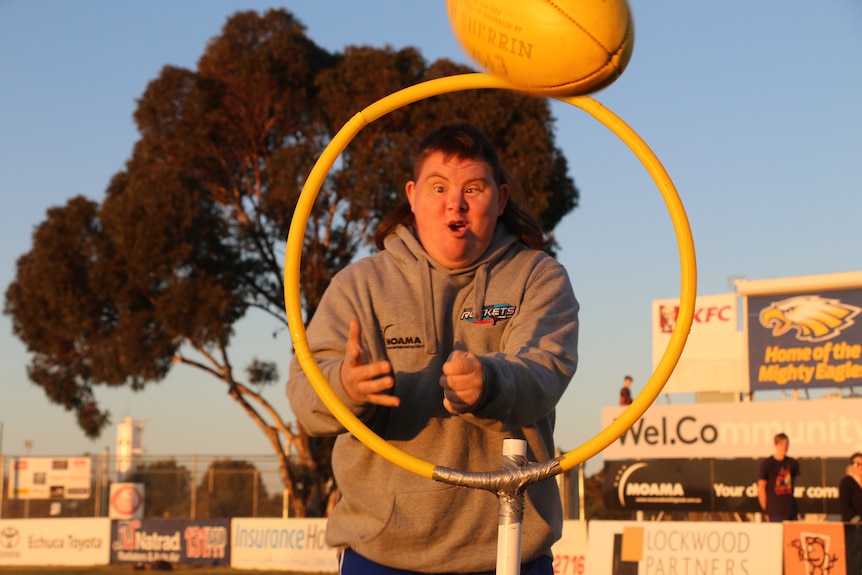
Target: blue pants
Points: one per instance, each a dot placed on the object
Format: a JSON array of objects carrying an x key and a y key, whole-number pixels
[{"x": 352, "y": 563}]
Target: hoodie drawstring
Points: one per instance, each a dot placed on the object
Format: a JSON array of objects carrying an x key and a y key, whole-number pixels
[{"x": 430, "y": 327}]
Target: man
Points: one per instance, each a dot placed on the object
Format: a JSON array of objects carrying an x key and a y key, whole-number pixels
[
  {"x": 626, "y": 391},
  {"x": 458, "y": 334},
  {"x": 776, "y": 481}
]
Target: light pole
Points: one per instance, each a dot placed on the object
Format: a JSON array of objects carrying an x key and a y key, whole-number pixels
[
  {"x": 2, "y": 471},
  {"x": 28, "y": 445}
]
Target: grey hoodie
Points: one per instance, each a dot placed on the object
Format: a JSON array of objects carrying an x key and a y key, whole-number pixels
[{"x": 516, "y": 310}]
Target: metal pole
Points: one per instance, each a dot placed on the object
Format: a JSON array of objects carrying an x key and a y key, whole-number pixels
[
  {"x": 2, "y": 484},
  {"x": 96, "y": 468},
  {"x": 581, "y": 511},
  {"x": 28, "y": 445},
  {"x": 2, "y": 472},
  {"x": 254, "y": 494},
  {"x": 194, "y": 485},
  {"x": 103, "y": 492},
  {"x": 210, "y": 491},
  {"x": 511, "y": 516}
]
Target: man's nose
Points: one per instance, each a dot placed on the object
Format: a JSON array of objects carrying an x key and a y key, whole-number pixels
[{"x": 455, "y": 202}]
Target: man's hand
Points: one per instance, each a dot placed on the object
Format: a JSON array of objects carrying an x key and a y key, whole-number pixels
[
  {"x": 462, "y": 382},
  {"x": 365, "y": 382}
]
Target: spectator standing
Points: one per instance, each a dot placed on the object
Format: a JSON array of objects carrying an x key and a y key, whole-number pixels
[
  {"x": 626, "y": 391},
  {"x": 850, "y": 491},
  {"x": 776, "y": 481}
]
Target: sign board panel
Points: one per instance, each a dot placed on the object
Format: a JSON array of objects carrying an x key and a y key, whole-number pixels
[
  {"x": 667, "y": 547},
  {"x": 817, "y": 428},
  {"x": 714, "y": 485},
  {"x": 805, "y": 340},
  {"x": 50, "y": 477},
  {"x": 282, "y": 544},
  {"x": 713, "y": 359},
  {"x": 126, "y": 501},
  {"x": 55, "y": 541},
  {"x": 171, "y": 541},
  {"x": 570, "y": 552}
]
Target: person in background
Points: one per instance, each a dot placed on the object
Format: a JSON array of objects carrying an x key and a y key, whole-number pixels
[
  {"x": 850, "y": 491},
  {"x": 459, "y": 333},
  {"x": 776, "y": 482},
  {"x": 850, "y": 503},
  {"x": 626, "y": 391}
]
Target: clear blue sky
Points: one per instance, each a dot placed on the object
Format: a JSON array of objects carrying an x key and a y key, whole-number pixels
[{"x": 753, "y": 108}]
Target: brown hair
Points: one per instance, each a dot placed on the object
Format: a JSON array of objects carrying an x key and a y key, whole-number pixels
[{"x": 464, "y": 141}]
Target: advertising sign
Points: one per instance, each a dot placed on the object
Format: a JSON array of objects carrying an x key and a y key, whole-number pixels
[
  {"x": 805, "y": 340},
  {"x": 817, "y": 428},
  {"x": 126, "y": 501},
  {"x": 282, "y": 544},
  {"x": 816, "y": 487},
  {"x": 713, "y": 359},
  {"x": 719, "y": 485},
  {"x": 50, "y": 478},
  {"x": 172, "y": 541},
  {"x": 570, "y": 552},
  {"x": 55, "y": 541},
  {"x": 815, "y": 548},
  {"x": 668, "y": 547},
  {"x": 660, "y": 485}
]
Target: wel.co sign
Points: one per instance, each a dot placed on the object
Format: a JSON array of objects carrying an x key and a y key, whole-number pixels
[{"x": 817, "y": 428}]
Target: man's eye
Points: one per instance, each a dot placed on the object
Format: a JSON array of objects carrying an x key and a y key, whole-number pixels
[
  {"x": 472, "y": 190},
  {"x": 439, "y": 189}
]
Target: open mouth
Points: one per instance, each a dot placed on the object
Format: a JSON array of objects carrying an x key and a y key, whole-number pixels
[{"x": 457, "y": 226}]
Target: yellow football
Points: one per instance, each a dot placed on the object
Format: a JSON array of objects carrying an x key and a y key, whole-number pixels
[{"x": 554, "y": 48}]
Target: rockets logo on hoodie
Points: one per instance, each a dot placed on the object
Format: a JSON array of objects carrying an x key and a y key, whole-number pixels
[{"x": 491, "y": 314}]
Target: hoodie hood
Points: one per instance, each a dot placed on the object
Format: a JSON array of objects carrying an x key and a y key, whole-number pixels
[{"x": 404, "y": 246}]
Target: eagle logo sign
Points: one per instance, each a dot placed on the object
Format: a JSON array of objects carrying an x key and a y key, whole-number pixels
[{"x": 813, "y": 317}]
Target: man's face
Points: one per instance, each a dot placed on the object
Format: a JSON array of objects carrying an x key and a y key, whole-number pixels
[
  {"x": 781, "y": 447},
  {"x": 456, "y": 205}
]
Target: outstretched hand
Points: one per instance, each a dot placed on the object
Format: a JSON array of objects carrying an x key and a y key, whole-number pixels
[
  {"x": 462, "y": 382},
  {"x": 365, "y": 382}
]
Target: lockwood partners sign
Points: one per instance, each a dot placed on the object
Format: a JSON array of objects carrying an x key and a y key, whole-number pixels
[
  {"x": 723, "y": 548},
  {"x": 667, "y": 547}
]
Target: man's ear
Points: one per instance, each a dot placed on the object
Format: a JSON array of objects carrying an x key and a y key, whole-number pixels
[
  {"x": 502, "y": 198},
  {"x": 410, "y": 189}
]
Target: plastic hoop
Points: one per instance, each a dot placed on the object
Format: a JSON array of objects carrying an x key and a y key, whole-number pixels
[{"x": 457, "y": 83}]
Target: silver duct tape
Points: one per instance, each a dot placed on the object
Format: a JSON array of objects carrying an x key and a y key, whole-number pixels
[{"x": 511, "y": 479}]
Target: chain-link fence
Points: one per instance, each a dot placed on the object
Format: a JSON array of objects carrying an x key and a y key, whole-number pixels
[
  {"x": 184, "y": 486},
  {"x": 188, "y": 486}
]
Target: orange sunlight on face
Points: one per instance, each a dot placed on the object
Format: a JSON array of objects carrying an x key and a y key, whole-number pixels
[{"x": 456, "y": 205}]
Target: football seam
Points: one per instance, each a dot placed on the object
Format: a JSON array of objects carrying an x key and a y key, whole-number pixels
[{"x": 574, "y": 21}]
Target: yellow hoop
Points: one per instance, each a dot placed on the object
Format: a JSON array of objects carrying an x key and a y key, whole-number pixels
[{"x": 457, "y": 83}]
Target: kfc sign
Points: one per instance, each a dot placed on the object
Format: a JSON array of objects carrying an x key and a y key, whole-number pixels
[
  {"x": 713, "y": 357},
  {"x": 705, "y": 314}
]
